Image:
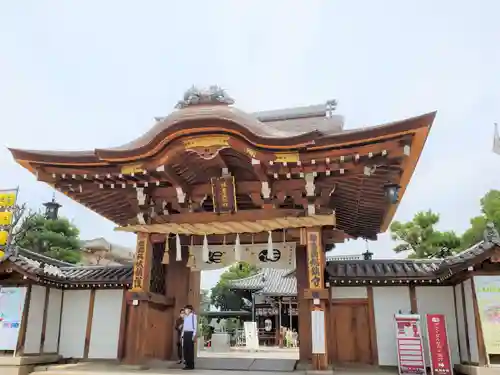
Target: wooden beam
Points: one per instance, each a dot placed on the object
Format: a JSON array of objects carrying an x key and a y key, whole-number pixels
[
  {"x": 21, "y": 340},
  {"x": 413, "y": 299},
  {"x": 247, "y": 215},
  {"x": 44, "y": 319},
  {"x": 481, "y": 348},
  {"x": 372, "y": 325},
  {"x": 123, "y": 327},
  {"x": 88, "y": 329},
  {"x": 149, "y": 297},
  {"x": 173, "y": 178},
  {"x": 60, "y": 320}
]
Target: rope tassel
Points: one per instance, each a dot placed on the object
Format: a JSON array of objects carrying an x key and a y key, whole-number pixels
[
  {"x": 178, "y": 249},
  {"x": 237, "y": 248},
  {"x": 166, "y": 255},
  {"x": 205, "y": 252},
  {"x": 270, "y": 247}
]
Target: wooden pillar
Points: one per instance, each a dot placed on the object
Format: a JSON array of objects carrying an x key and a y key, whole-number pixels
[
  {"x": 136, "y": 332},
  {"x": 183, "y": 286},
  {"x": 317, "y": 295},
  {"x": 481, "y": 348},
  {"x": 304, "y": 321}
]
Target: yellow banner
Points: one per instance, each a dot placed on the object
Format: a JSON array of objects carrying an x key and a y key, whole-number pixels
[
  {"x": 4, "y": 235},
  {"x": 1, "y": 254},
  {"x": 7, "y": 199},
  {"x": 5, "y": 218},
  {"x": 488, "y": 301}
]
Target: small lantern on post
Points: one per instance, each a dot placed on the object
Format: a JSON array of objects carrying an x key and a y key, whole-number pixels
[
  {"x": 392, "y": 193},
  {"x": 52, "y": 209}
]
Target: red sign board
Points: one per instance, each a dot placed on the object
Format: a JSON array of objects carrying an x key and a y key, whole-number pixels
[
  {"x": 411, "y": 358},
  {"x": 439, "y": 350}
]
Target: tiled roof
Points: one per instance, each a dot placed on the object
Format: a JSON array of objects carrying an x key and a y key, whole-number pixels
[
  {"x": 269, "y": 282},
  {"x": 383, "y": 269},
  {"x": 93, "y": 274},
  {"x": 64, "y": 274}
]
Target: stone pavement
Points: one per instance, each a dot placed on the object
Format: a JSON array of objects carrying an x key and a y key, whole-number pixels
[{"x": 101, "y": 368}]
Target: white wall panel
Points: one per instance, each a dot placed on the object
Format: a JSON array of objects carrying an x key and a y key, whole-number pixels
[
  {"x": 387, "y": 301},
  {"x": 106, "y": 324},
  {"x": 35, "y": 320},
  {"x": 462, "y": 334},
  {"x": 53, "y": 321},
  {"x": 438, "y": 300},
  {"x": 471, "y": 321},
  {"x": 74, "y": 323},
  {"x": 349, "y": 292}
]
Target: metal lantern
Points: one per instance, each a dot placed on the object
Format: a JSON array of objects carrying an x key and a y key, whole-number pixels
[
  {"x": 367, "y": 255},
  {"x": 392, "y": 192},
  {"x": 52, "y": 209}
]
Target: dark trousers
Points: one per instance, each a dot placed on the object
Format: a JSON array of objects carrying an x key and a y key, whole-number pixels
[
  {"x": 188, "y": 346},
  {"x": 179, "y": 348}
]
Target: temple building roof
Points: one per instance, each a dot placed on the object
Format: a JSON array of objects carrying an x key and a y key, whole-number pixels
[{"x": 298, "y": 161}]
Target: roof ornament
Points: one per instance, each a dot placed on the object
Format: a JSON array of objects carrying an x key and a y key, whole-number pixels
[
  {"x": 331, "y": 106},
  {"x": 490, "y": 233},
  {"x": 212, "y": 96}
]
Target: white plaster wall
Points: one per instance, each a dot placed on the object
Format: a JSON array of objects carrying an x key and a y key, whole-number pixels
[
  {"x": 106, "y": 324},
  {"x": 387, "y": 301},
  {"x": 74, "y": 323},
  {"x": 53, "y": 321},
  {"x": 462, "y": 334},
  {"x": 471, "y": 322},
  {"x": 349, "y": 292},
  {"x": 35, "y": 320},
  {"x": 438, "y": 300}
]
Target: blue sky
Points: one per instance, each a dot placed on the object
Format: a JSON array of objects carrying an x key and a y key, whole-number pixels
[{"x": 92, "y": 74}]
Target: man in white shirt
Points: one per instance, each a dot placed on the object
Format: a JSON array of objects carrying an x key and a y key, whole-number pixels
[{"x": 189, "y": 331}]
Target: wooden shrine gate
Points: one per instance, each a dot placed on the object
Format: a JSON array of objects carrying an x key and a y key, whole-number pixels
[{"x": 209, "y": 174}]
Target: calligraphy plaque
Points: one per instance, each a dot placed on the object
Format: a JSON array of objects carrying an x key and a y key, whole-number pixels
[
  {"x": 140, "y": 260},
  {"x": 314, "y": 260},
  {"x": 224, "y": 194}
]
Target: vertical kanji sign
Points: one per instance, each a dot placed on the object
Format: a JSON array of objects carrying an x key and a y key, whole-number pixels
[{"x": 439, "y": 350}]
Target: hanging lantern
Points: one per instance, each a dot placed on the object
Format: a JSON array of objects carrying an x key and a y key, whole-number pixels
[
  {"x": 237, "y": 248},
  {"x": 178, "y": 249},
  {"x": 166, "y": 255},
  {"x": 205, "y": 252},
  {"x": 270, "y": 247},
  {"x": 392, "y": 193}
]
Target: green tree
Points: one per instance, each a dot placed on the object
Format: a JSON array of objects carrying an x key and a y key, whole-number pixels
[
  {"x": 58, "y": 239},
  {"x": 221, "y": 296},
  {"x": 205, "y": 300},
  {"x": 490, "y": 212},
  {"x": 421, "y": 239}
]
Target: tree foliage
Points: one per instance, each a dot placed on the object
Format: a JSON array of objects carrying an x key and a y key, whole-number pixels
[
  {"x": 221, "y": 296},
  {"x": 490, "y": 212},
  {"x": 421, "y": 239},
  {"x": 58, "y": 239}
]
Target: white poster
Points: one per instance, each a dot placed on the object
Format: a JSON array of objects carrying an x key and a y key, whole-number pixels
[
  {"x": 11, "y": 313},
  {"x": 223, "y": 256},
  {"x": 410, "y": 347},
  {"x": 251, "y": 337},
  {"x": 318, "y": 332}
]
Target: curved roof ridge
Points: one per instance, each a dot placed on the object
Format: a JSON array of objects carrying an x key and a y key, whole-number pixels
[{"x": 242, "y": 123}]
